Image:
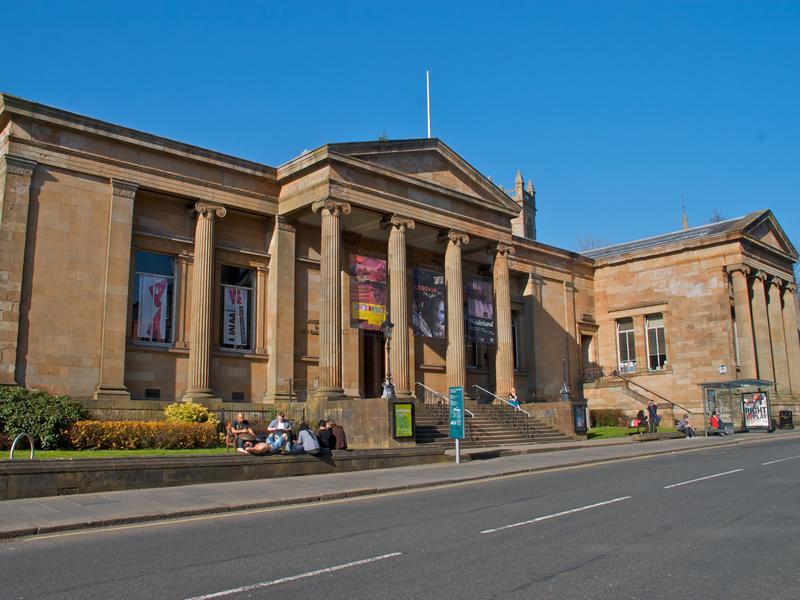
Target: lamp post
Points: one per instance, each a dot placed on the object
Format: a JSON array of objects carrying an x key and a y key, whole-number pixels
[
  {"x": 388, "y": 386},
  {"x": 565, "y": 385}
]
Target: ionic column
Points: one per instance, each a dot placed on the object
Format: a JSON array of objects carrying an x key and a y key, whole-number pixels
[
  {"x": 15, "y": 198},
  {"x": 504, "y": 358},
  {"x": 330, "y": 299},
  {"x": 744, "y": 322},
  {"x": 280, "y": 311},
  {"x": 776, "y": 333},
  {"x": 455, "y": 357},
  {"x": 790, "y": 335},
  {"x": 398, "y": 303},
  {"x": 202, "y": 301},
  {"x": 115, "y": 301},
  {"x": 761, "y": 328}
]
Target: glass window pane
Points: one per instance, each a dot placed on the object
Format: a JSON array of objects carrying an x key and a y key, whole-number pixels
[
  {"x": 153, "y": 298},
  {"x": 237, "y": 276},
  {"x": 158, "y": 264}
]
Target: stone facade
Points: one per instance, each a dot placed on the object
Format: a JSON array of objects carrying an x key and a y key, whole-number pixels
[{"x": 136, "y": 270}]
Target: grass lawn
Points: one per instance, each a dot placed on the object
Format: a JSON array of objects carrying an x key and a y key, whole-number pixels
[
  {"x": 600, "y": 433},
  {"x": 24, "y": 453}
]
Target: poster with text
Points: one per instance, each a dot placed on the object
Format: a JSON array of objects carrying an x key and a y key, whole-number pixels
[
  {"x": 153, "y": 308},
  {"x": 234, "y": 328},
  {"x": 367, "y": 292},
  {"x": 756, "y": 411},
  {"x": 428, "y": 312},
  {"x": 480, "y": 311}
]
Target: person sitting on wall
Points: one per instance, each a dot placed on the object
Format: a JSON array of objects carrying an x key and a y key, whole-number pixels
[
  {"x": 684, "y": 426},
  {"x": 240, "y": 430},
  {"x": 324, "y": 436},
  {"x": 639, "y": 419},
  {"x": 337, "y": 433},
  {"x": 717, "y": 425},
  {"x": 280, "y": 424},
  {"x": 306, "y": 441},
  {"x": 512, "y": 398}
]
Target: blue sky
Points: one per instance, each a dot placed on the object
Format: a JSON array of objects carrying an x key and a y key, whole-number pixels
[{"x": 614, "y": 109}]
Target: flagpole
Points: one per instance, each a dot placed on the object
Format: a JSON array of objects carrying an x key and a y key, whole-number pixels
[{"x": 428, "y": 88}]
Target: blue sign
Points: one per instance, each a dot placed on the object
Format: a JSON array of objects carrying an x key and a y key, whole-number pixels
[{"x": 457, "y": 413}]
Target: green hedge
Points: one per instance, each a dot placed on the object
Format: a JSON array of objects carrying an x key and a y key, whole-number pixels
[
  {"x": 134, "y": 435},
  {"x": 606, "y": 417},
  {"x": 46, "y": 418}
]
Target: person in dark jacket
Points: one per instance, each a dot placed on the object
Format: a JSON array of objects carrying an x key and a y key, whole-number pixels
[
  {"x": 324, "y": 436},
  {"x": 340, "y": 439}
]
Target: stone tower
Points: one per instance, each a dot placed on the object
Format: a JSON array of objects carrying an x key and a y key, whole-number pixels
[{"x": 525, "y": 224}]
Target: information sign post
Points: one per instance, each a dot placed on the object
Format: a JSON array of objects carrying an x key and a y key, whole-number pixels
[{"x": 457, "y": 418}]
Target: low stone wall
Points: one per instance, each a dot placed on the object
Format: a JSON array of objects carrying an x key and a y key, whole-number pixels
[
  {"x": 34, "y": 478},
  {"x": 556, "y": 414}
]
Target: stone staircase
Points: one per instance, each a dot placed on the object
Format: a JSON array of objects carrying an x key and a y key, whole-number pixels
[{"x": 492, "y": 425}]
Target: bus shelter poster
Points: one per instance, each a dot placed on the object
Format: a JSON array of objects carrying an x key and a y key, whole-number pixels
[
  {"x": 480, "y": 311},
  {"x": 428, "y": 314},
  {"x": 756, "y": 411},
  {"x": 367, "y": 292}
]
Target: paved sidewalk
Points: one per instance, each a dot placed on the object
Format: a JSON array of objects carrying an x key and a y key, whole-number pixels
[{"x": 33, "y": 516}]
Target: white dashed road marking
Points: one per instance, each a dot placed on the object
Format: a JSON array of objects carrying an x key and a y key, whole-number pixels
[
  {"x": 558, "y": 514},
  {"x": 666, "y": 487}
]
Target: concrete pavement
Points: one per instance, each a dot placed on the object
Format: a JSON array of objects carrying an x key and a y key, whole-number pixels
[{"x": 36, "y": 516}]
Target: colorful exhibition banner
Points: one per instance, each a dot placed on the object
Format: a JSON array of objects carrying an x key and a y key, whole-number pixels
[
  {"x": 756, "y": 410},
  {"x": 153, "y": 308},
  {"x": 428, "y": 313},
  {"x": 234, "y": 327},
  {"x": 480, "y": 311},
  {"x": 367, "y": 292}
]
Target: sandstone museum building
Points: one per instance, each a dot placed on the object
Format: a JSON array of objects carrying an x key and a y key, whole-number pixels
[{"x": 136, "y": 271}]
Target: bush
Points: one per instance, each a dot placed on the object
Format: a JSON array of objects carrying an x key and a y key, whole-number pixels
[
  {"x": 189, "y": 412},
  {"x": 606, "y": 417},
  {"x": 46, "y": 418},
  {"x": 135, "y": 435}
]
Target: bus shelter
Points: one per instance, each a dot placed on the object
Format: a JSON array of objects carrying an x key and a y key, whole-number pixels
[{"x": 742, "y": 402}]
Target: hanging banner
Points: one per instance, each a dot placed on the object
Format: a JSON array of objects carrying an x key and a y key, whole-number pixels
[
  {"x": 480, "y": 311},
  {"x": 234, "y": 329},
  {"x": 367, "y": 292},
  {"x": 153, "y": 308},
  {"x": 756, "y": 410},
  {"x": 428, "y": 313}
]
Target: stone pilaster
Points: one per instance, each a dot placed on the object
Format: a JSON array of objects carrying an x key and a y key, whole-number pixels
[
  {"x": 537, "y": 376},
  {"x": 184, "y": 264},
  {"x": 570, "y": 335},
  {"x": 202, "y": 301},
  {"x": 280, "y": 315},
  {"x": 761, "y": 328},
  {"x": 115, "y": 302},
  {"x": 15, "y": 196},
  {"x": 453, "y": 280},
  {"x": 398, "y": 304},
  {"x": 791, "y": 337},
  {"x": 744, "y": 322},
  {"x": 776, "y": 333},
  {"x": 330, "y": 299},
  {"x": 504, "y": 366}
]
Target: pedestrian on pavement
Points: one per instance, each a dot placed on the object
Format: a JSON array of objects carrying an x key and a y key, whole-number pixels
[{"x": 652, "y": 417}]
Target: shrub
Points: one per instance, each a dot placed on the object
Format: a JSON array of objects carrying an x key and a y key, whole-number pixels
[
  {"x": 46, "y": 418},
  {"x": 606, "y": 417},
  {"x": 189, "y": 412},
  {"x": 134, "y": 435}
]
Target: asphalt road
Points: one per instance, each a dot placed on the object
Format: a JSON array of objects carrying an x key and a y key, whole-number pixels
[{"x": 717, "y": 523}]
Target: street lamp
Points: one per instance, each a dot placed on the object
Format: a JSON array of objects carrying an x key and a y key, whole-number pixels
[
  {"x": 565, "y": 385},
  {"x": 388, "y": 386}
]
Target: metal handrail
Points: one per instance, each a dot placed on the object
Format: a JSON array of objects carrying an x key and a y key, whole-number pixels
[
  {"x": 656, "y": 394},
  {"x": 441, "y": 397},
  {"x": 493, "y": 395},
  {"x": 14, "y": 445}
]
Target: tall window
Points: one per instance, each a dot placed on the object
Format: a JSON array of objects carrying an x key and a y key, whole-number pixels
[
  {"x": 656, "y": 345},
  {"x": 625, "y": 348},
  {"x": 237, "y": 308},
  {"x": 153, "y": 297},
  {"x": 473, "y": 358},
  {"x": 514, "y": 340}
]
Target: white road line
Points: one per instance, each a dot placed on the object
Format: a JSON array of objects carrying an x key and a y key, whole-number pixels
[
  {"x": 772, "y": 462},
  {"x": 263, "y": 584},
  {"x": 553, "y": 516},
  {"x": 666, "y": 487}
]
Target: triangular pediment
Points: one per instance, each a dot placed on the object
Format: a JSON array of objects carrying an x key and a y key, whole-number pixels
[
  {"x": 764, "y": 227},
  {"x": 432, "y": 162}
]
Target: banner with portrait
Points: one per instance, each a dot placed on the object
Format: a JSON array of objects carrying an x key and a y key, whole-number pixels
[
  {"x": 480, "y": 311},
  {"x": 756, "y": 409},
  {"x": 153, "y": 308},
  {"x": 235, "y": 326},
  {"x": 367, "y": 292},
  {"x": 428, "y": 312}
]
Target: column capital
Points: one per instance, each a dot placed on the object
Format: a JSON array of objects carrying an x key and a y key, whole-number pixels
[
  {"x": 740, "y": 268},
  {"x": 501, "y": 249},
  {"x": 284, "y": 224},
  {"x": 210, "y": 210},
  {"x": 761, "y": 275},
  {"x": 777, "y": 282},
  {"x": 400, "y": 222},
  {"x": 17, "y": 165},
  {"x": 334, "y": 207},
  {"x": 569, "y": 285},
  {"x": 124, "y": 189},
  {"x": 457, "y": 238},
  {"x": 790, "y": 288}
]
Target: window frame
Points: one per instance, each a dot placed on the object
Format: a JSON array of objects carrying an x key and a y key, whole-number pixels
[
  {"x": 659, "y": 350},
  {"x": 628, "y": 365},
  {"x": 251, "y": 309},
  {"x": 172, "y": 312}
]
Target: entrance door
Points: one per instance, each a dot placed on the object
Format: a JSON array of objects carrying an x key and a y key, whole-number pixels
[{"x": 372, "y": 364}]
